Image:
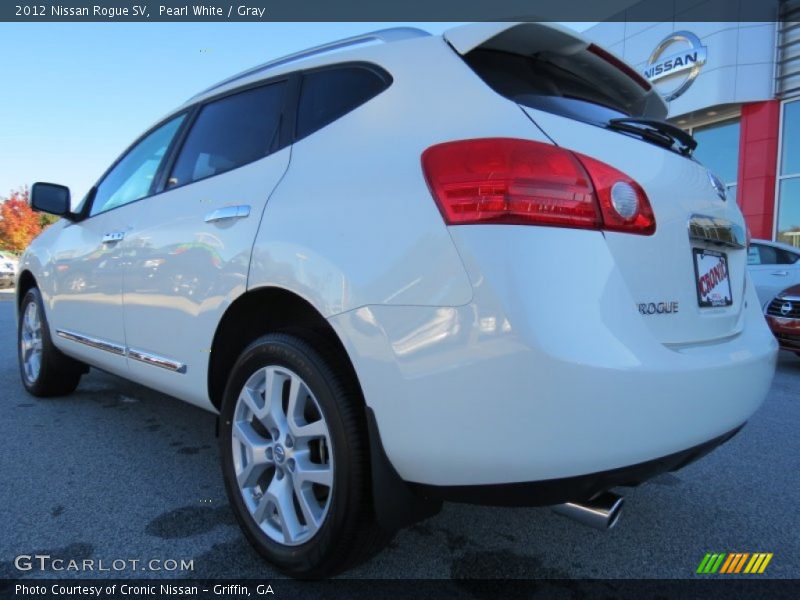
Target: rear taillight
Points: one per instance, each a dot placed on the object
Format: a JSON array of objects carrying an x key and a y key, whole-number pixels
[
  {"x": 616, "y": 190},
  {"x": 521, "y": 182}
]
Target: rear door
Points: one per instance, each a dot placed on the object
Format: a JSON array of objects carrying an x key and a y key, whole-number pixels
[
  {"x": 188, "y": 258},
  {"x": 687, "y": 279}
]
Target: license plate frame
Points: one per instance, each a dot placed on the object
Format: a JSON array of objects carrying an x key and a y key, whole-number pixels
[{"x": 718, "y": 295}]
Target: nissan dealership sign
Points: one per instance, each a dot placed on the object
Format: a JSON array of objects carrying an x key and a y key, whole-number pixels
[{"x": 675, "y": 63}]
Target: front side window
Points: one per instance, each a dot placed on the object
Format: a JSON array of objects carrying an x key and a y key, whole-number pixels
[
  {"x": 789, "y": 177},
  {"x": 132, "y": 177},
  {"x": 231, "y": 132}
]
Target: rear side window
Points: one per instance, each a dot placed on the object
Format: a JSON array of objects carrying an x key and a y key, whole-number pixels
[
  {"x": 332, "y": 93},
  {"x": 231, "y": 132}
]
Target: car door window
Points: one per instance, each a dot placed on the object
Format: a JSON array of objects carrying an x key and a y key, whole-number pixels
[
  {"x": 768, "y": 255},
  {"x": 132, "y": 177},
  {"x": 760, "y": 254},
  {"x": 231, "y": 132},
  {"x": 784, "y": 257},
  {"x": 329, "y": 94}
]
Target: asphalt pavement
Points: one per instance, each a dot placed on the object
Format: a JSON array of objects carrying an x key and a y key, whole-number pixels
[{"x": 117, "y": 471}]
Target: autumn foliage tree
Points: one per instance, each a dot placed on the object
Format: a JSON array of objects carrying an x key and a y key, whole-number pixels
[{"x": 18, "y": 223}]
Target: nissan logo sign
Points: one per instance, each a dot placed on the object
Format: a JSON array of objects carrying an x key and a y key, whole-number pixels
[
  {"x": 786, "y": 308},
  {"x": 678, "y": 57}
]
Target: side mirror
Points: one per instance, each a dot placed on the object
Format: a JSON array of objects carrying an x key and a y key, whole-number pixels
[{"x": 51, "y": 198}]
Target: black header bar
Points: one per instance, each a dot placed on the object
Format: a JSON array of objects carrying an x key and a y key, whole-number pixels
[
  {"x": 386, "y": 10},
  {"x": 394, "y": 589}
]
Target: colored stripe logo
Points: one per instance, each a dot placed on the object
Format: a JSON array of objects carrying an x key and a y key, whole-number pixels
[{"x": 732, "y": 563}]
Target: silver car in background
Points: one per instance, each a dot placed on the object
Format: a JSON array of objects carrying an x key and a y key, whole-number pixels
[
  {"x": 8, "y": 269},
  {"x": 773, "y": 267}
]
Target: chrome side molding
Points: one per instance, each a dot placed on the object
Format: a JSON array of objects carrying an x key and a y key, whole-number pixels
[
  {"x": 91, "y": 341},
  {"x": 156, "y": 360},
  {"x": 713, "y": 230},
  {"x": 139, "y": 355}
]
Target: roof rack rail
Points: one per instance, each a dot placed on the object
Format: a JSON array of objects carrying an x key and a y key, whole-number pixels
[{"x": 392, "y": 34}]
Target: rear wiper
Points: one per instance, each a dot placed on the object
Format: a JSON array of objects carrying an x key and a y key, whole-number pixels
[{"x": 660, "y": 132}]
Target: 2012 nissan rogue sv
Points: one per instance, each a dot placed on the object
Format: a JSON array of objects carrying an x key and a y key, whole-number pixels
[{"x": 476, "y": 267}]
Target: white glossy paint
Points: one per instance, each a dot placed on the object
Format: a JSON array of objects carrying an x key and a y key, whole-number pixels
[
  {"x": 368, "y": 231},
  {"x": 660, "y": 268},
  {"x": 548, "y": 372},
  {"x": 490, "y": 354},
  {"x": 80, "y": 278},
  {"x": 182, "y": 272}
]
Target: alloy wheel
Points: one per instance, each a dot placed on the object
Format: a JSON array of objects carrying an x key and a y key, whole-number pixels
[
  {"x": 31, "y": 342},
  {"x": 282, "y": 455}
]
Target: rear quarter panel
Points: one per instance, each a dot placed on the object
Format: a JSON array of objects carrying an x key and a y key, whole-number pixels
[{"x": 353, "y": 222}]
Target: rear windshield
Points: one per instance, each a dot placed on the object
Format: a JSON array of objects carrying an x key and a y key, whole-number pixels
[
  {"x": 588, "y": 85},
  {"x": 578, "y": 87}
]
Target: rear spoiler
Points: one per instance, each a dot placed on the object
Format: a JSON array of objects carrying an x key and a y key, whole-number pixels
[{"x": 528, "y": 39}]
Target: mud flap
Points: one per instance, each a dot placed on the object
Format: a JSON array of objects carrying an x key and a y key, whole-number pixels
[{"x": 396, "y": 505}]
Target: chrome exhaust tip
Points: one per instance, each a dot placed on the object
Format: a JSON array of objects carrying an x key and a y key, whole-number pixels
[{"x": 601, "y": 512}]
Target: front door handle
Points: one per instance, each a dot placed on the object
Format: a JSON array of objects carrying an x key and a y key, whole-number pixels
[
  {"x": 781, "y": 273},
  {"x": 240, "y": 211},
  {"x": 113, "y": 237}
]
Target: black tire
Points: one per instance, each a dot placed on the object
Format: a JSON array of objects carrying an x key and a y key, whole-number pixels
[
  {"x": 349, "y": 534},
  {"x": 58, "y": 374}
]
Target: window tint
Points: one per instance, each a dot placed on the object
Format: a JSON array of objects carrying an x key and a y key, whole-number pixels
[
  {"x": 787, "y": 258},
  {"x": 776, "y": 256},
  {"x": 132, "y": 177},
  {"x": 579, "y": 86},
  {"x": 332, "y": 93},
  {"x": 231, "y": 132}
]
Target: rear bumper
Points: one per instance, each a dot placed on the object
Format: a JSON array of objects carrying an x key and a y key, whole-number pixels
[
  {"x": 547, "y": 374},
  {"x": 570, "y": 489}
]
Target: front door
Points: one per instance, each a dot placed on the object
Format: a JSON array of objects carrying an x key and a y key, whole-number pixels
[
  {"x": 189, "y": 253},
  {"x": 87, "y": 260}
]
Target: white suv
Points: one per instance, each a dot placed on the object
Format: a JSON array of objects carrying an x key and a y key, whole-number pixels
[{"x": 476, "y": 267}]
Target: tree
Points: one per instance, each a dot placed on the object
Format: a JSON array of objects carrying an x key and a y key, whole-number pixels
[{"x": 18, "y": 223}]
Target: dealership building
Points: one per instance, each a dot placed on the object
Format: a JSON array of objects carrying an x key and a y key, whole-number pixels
[{"x": 736, "y": 87}]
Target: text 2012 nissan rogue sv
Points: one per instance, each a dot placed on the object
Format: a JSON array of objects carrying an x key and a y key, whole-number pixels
[{"x": 476, "y": 267}]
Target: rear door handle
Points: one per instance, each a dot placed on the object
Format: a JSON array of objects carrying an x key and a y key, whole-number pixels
[
  {"x": 240, "y": 211},
  {"x": 113, "y": 237},
  {"x": 781, "y": 273}
]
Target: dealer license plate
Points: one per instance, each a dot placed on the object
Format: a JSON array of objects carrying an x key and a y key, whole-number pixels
[{"x": 713, "y": 279}]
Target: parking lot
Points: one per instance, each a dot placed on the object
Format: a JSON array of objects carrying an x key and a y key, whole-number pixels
[{"x": 116, "y": 471}]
